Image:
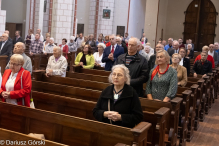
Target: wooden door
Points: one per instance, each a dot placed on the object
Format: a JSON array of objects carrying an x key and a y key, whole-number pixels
[
  {"x": 200, "y": 22},
  {"x": 11, "y": 27},
  {"x": 120, "y": 30},
  {"x": 80, "y": 28}
]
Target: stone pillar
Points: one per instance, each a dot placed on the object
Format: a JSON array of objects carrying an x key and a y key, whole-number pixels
[
  {"x": 62, "y": 20},
  {"x": 38, "y": 20},
  {"x": 151, "y": 20},
  {"x": 2, "y": 20},
  {"x": 98, "y": 24}
]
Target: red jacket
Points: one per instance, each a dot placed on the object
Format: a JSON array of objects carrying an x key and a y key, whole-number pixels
[
  {"x": 65, "y": 49},
  {"x": 210, "y": 58},
  {"x": 18, "y": 93}
]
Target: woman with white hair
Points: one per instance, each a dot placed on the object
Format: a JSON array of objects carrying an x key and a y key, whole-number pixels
[
  {"x": 16, "y": 83},
  {"x": 162, "y": 83},
  {"x": 72, "y": 46},
  {"x": 99, "y": 55},
  {"x": 57, "y": 63},
  {"x": 50, "y": 46},
  {"x": 119, "y": 103},
  {"x": 149, "y": 51}
]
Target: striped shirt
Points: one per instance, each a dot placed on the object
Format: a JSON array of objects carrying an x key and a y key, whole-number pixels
[{"x": 128, "y": 59}]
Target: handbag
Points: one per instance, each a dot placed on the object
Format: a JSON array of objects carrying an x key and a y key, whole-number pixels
[{"x": 31, "y": 100}]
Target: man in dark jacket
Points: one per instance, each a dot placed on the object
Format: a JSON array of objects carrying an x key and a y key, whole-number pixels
[
  {"x": 6, "y": 46},
  {"x": 17, "y": 38},
  {"x": 136, "y": 64},
  {"x": 92, "y": 43},
  {"x": 111, "y": 53},
  {"x": 203, "y": 66}
]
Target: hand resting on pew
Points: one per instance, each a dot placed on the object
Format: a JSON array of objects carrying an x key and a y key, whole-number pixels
[{"x": 166, "y": 99}]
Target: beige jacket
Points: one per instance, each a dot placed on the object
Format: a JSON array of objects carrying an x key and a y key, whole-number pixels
[
  {"x": 59, "y": 67},
  {"x": 181, "y": 75}
]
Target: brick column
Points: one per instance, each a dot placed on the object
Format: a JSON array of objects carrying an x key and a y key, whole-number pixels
[
  {"x": 2, "y": 20},
  {"x": 62, "y": 19},
  {"x": 38, "y": 20}
]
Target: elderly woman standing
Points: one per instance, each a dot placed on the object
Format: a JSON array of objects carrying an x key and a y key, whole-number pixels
[
  {"x": 99, "y": 55},
  {"x": 64, "y": 48},
  {"x": 50, "y": 46},
  {"x": 72, "y": 46},
  {"x": 57, "y": 63},
  {"x": 162, "y": 83},
  {"x": 119, "y": 103},
  {"x": 46, "y": 43},
  {"x": 181, "y": 70},
  {"x": 149, "y": 51},
  {"x": 85, "y": 58},
  {"x": 16, "y": 83}
]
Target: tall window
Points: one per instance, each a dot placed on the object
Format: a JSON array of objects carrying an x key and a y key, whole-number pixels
[{"x": 45, "y": 4}]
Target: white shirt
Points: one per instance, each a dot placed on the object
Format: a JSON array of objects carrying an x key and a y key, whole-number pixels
[
  {"x": 181, "y": 62},
  {"x": 176, "y": 51},
  {"x": 3, "y": 45},
  {"x": 98, "y": 59},
  {"x": 212, "y": 54},
  {"x": 114, "y": 47},
  {"x": 10, "y": 87}
]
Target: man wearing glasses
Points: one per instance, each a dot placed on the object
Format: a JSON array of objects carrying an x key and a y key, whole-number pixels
[{"x": 6, "y": 46}]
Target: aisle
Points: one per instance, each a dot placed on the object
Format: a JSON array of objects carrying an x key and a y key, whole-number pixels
[{"x": 208, "y": 132}]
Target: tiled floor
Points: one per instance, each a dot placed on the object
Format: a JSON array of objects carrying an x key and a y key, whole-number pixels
[{"x": 208, "y": 132}]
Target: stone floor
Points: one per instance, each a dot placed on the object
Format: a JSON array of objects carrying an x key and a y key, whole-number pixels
[{"x": 208, "y": 132}]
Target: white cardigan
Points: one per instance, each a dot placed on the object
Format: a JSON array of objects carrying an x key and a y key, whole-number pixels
[
  {"x": 59, "y": 67},
  {"x": 98, "y": 59}
]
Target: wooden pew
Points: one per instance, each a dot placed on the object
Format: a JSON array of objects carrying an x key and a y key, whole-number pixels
[
  {"x": 83, "y": 109},
  {"x": 8, "y": 137},
  {"x": 206, "y": 90},
  {"x": 63, "y": 90},
  {"x": 173, "y": 119},
  {"x": 35, "y": 59},
  {"x": 68, "y": 129},
  {"x": 39, "y": 76},
  {"x": 192, "y": 106},
  {"x": 184, "y": 113},
  {"x": 3, "y": 63},
  {"x": 78, "y": 69},
  {"x": 201, "y": 99},
  {"x": 90, "y": 77}
]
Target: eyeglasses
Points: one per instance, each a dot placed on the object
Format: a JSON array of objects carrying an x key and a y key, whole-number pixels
[
  {"x": 118, "y": 75},
  {"x": 14, "y": 64}
]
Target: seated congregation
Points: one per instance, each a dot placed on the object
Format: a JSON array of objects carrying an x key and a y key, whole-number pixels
[{"x": 97, "y": 88}]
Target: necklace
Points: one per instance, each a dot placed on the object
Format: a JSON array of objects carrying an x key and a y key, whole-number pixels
[
  {"x": 164, "y": 71},
  {"x": 116, "y": 95}
]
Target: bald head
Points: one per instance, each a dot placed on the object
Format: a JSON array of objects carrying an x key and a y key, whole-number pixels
[
  {"x": 19, "y": 48},
  {"x": 133, "y": 46}
]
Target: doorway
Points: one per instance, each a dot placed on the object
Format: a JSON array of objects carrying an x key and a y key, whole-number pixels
[{"x": 200, "y": 23}]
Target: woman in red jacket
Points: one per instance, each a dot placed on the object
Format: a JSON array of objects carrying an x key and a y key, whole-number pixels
[
  {"x": 11, "y": 90},
  {"x": 64, "y": 48}
]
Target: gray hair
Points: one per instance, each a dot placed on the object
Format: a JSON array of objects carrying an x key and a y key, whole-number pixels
[
  {"x": 52, "y": 39},
  {"x": 136, "y": 40},
  {"x": 112, "y": 35},
  {"x": 58, "y": 48},
  {"x": 175, "y": 41},
  {"x": 189, "y": 45},
  {"x": 125, "y": 70},
  {"x": 216, "y": 43},
  {"x": 119, "y": 38},
  {"x": 102, "y": 45}
]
